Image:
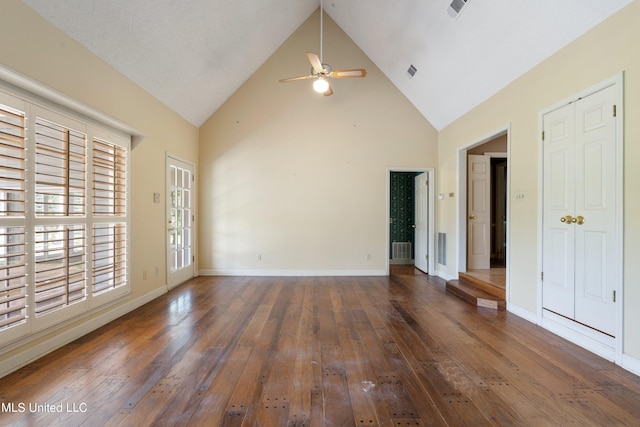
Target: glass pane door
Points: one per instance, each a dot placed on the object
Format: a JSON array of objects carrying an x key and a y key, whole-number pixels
[{"x": 180, "y": 256}]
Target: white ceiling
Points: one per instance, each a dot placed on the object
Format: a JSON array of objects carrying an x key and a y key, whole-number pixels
[{"x": 193, "y": 55}]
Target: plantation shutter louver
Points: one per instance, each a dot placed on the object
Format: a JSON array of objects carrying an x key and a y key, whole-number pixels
[
  {"x": 109, "y": 257},
  {"x": 60, "y": 191},
  {"x": 109, "y": 199},
  {"x": 12, "y": 152},
  {"x": 109, "y": 178},
  {"x": 60, "y": 170},
  {"x": 60, "y": 266},
  {"x": 13, "y": 274}
]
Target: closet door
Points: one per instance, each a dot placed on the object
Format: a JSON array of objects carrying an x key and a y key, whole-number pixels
[
  {"x": 558, "y": 287},
  {"x": 579, "y": 213},
  {"x": 595, "y": 210}
]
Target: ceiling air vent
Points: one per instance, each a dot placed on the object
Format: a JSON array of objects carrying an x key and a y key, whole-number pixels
[
  {"x": 456, "y": 7},
  {"x": 412, "y": 70}
]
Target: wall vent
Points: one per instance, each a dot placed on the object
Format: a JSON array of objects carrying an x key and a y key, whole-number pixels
[
  {"x": 442, "y": 248},
  {"x": 401, "y": 250},
  {"x": 456, "y": 7},
  {"x": 412, "y": 70}
]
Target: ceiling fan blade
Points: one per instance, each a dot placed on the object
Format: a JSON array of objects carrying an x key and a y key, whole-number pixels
[
  {"x": 293, "y": 79},
  {"x": 341, "y": 74},
  {"x": 315, "y": 62},
  {"x": 329, "y": 92}
]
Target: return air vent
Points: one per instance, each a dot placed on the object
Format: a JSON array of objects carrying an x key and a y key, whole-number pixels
[
  {"x": 456, "y": 7},
  {"x": 401, "y": 250},
  {"x": 442, "y": 249}
]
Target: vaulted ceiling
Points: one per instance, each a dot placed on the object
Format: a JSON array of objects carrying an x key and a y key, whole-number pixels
[{"x": 193, "y": 55}]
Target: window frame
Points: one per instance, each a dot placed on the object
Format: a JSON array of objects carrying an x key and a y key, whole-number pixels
[{"x": 35, "y": 106}]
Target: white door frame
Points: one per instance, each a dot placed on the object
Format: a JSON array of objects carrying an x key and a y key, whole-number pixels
[
  {"x": 569, "y": 330},
  {"x": 431, "y": 225},
  {"x": 461, "y": 259}
]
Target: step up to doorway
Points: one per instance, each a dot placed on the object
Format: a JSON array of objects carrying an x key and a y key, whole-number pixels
[{"x": 477, "y": 292}]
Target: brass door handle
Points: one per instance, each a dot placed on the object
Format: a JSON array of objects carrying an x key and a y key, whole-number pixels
[
  {"x": 567, "y": 219},
  {"x": 579, "y": 220},
  {"x": 472, "y": 217}
]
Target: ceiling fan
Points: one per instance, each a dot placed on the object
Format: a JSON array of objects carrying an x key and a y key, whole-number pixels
[{"x": 320, "y": 71}]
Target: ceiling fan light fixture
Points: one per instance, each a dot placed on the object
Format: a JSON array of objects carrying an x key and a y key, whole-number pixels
[{"x": 320, "y": 85}]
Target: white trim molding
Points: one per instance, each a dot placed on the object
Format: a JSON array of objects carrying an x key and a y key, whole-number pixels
[{"x": 29, "y": 86}]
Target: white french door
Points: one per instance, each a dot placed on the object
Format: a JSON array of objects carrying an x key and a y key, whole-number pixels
[
  {"x": 580, "y": 241},
  {"x": 180, "y": 214}
]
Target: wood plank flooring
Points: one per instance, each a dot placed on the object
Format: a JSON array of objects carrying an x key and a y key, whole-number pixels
[
  {"x": 311, "y": 351},
  {"x": 495, "y": 276}
]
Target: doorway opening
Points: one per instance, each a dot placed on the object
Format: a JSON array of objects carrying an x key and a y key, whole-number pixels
[
  {"x": 410, "y": 218},
  {"x": 484, "y": 213}
]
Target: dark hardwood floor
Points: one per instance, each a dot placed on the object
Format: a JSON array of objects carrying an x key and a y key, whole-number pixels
[{"x": 310, "y": 351}]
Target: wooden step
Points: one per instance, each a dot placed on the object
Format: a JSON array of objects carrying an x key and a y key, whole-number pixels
[
  {"x": 476, "y": 296},
  {"x": 484, "y": 285}
]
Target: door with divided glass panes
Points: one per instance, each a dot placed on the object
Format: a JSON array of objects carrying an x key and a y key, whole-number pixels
[{"x": 180, "y": 218}]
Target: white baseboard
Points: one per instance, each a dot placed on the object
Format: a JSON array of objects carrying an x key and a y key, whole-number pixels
[
  {"x": 631, "y": 364},
  {"x": 275, "y": 273},
  {"x": 57, "y": 340},
  {"x": 522, "y": 312},
  {"x": 587, "y": 338},
  {"x": 401, "y": 261}
]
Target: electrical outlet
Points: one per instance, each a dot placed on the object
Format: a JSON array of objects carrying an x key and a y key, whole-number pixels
[{"x": 144, "y": 275}]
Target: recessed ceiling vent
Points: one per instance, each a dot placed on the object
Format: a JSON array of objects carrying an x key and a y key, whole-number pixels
[
  {"x": 412, "y": 71},
  {"x": 456, "y": 7}
]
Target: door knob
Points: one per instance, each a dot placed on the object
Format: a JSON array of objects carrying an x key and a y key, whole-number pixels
[
  {"x": 413, "y": 226},
  {"x": 472, "y": 217},
  {"x": 567, "y": 219},
  {"x": 579, "y": 220}
]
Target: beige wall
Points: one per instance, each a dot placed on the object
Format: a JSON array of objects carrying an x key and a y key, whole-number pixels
[
  {"x": 496, "y": 145},
  {"x": 36, "y": 49},
  {"x": 301, "y": 179},
  {"x": 608, "y": 49}
]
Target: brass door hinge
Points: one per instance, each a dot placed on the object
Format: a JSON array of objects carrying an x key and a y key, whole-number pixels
[
  {"x": 543, "y": 135},
  {"x": 614, "y": 110}
]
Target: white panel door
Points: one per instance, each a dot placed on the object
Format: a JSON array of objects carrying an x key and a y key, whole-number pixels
[
  {"x": 180, "y": 253},
  {"x": 579, "y": 223},
  {"x": 595, "y": 208},
  {"x": 421, "y": 255},
  {"x": 479, "y": 210},
  {"x": 558, "y": 287}
]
